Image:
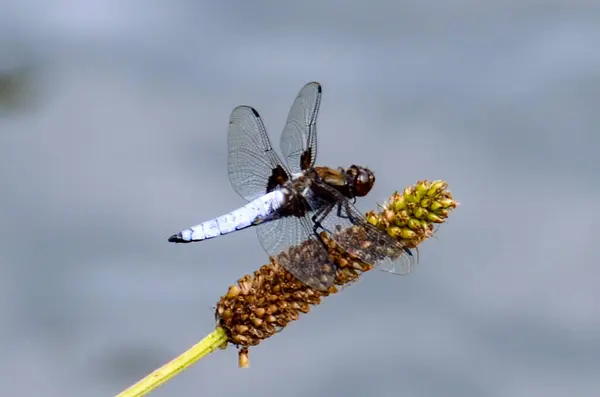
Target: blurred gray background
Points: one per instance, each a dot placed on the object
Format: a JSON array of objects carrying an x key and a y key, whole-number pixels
[{"x": 118, "y": 140}]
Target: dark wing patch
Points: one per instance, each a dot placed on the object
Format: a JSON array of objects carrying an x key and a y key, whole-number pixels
[
  {"x": 306, "y": 159},
  {"x": 278, "y": 177}
]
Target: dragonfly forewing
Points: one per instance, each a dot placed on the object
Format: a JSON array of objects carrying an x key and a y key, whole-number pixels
[{"x": 253, "y": 166}]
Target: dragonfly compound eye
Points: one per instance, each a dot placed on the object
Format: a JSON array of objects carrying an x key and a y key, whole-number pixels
[{"x": 364, "y": 182}]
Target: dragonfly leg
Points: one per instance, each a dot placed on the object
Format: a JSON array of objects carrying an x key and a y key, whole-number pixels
[
  {"x": 339, "y": 212},
  {"x": 317, "y": 218}
]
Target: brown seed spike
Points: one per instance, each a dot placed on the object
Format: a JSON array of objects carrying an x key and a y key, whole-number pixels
[{"x": 265, "y": 302}]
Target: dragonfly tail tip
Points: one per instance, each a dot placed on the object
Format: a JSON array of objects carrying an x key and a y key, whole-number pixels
[{"x": 177, "y": 238}]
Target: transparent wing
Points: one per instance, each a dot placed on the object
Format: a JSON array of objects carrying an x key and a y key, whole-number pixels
[
  {"x": 299, "y": 136},
  {"x": 355, "y": 235},
  {"x": 253, "y": 166},
  {"x": 292, "y": 242}
]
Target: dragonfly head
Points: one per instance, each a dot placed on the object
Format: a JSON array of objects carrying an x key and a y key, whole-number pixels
[{"x": 360, "y": 180}]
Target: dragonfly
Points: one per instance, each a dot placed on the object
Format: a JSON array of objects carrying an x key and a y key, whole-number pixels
[{"x": 293, "y": 202}]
